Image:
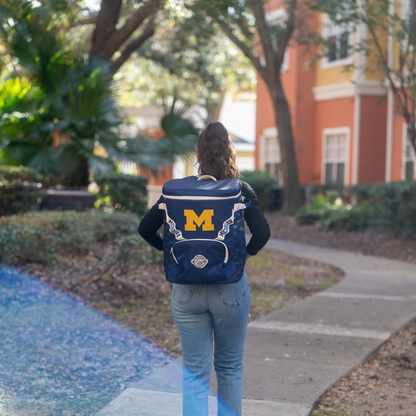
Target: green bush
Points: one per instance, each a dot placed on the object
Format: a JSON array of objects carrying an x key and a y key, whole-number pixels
[
  {"x": 398, "y": 200},
  {"x": 261, "y": 182},
  {"x": 20, "y": 174},
  {"x": 38, "y": 236},
  {"x": 122, "y": 192},
  {"x": 20, "y": 190},
  {"x": 381, "y": 207}
]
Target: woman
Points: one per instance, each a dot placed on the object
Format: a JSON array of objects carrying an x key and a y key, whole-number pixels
[{"x": 201, "y": 311}]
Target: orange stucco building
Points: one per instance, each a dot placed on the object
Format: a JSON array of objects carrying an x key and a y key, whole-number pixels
[{"x": 344, "y": 131}]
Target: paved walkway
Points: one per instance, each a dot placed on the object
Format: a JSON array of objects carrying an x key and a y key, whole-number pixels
[
  {"x": 295, "y": 354},
  {"x": 56, "y": 351}
]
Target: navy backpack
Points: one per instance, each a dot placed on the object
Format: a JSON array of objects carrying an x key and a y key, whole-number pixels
[{"x": 204, "y": 240}]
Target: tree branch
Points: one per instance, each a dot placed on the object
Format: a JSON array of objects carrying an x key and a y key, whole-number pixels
[
  {"x": 121, "y": 35},
  {"x": 240, "y": 44},
  {"x": 290, "y": 27},
  {"x": 263, "y": 31},
  {"x": 134, "y": 45},
  {"x": 91, "y": 19},
  {"x": 105, "y": 27}
]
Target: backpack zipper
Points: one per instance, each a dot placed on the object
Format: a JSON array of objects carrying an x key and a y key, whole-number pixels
[
  {"x": 202, "y": 198},
  {"x": 200, "y": 239}
]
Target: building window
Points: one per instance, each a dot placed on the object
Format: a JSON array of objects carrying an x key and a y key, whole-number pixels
[
  {"x": 272, "y": 158},
  {"x": 335, "y": 157},
  {"x": 409, "y": 166},
  {"x": 339, "y": 42}
]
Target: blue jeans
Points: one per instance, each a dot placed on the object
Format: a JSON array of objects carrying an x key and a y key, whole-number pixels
[{"x": 201, "y": 311}]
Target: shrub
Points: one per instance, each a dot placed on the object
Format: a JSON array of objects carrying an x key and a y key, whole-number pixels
[
  {"x": 20, "y": 189},
  {"x": 20, "y": 174},
  {"x": 122, "y": 192},
  {"x": 262, "y": 183},
  {"x": 381, "y": 207},
  {"x": 398, "y": 200},
  {"x": 37, "y": 237}
]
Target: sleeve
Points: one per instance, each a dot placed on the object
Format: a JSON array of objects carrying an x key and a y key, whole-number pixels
[
  {"x": 256, "y": 221},
  {"x": 150, "y": 225}
]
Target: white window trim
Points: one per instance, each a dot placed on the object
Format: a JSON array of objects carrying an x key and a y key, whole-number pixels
[
  {"x": 325, "y": 64},
  {"x": 403, "y": 161},
  {"x": 337, "y": 130},
  {"x": 268, "y": 132}
]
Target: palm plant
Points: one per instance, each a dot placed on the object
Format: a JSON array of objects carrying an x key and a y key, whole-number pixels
[{"x": 55, "y": 117}]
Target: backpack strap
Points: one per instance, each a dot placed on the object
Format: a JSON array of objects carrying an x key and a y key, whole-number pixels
[
  {"x": 226, "y": 225},
  {"x": 170, "y": 222}
]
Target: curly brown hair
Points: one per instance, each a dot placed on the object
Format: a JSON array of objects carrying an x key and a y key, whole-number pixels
[{"x": 216, "y": 153}]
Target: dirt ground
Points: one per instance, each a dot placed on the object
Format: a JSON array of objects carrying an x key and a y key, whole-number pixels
[{"x": 385, "y": 385}]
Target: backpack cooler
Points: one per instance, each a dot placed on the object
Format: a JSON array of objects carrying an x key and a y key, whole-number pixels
[{"x": 204, "y": 240}]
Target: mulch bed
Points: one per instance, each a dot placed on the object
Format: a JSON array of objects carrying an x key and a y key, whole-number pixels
[
  {"x": 285, "y": 228},
  {"x": 385, "y": 385}
]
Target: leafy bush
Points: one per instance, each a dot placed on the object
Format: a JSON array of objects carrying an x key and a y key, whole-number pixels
[
  {"x": 122, "y": 192},
  {"x": 20, "y": 189},
  {"x": 261, "y": 182},
  {"x": 37, "y": 237},
  {"x": 382, "y": 207},
  {"x": 398, "y": 200},
  {"x": 20, "y": 174}
]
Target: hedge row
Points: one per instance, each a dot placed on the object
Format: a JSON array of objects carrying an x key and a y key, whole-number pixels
[
  {"x": 381, "y": 207},
  {"x": 21, "y": 190},
  {"x": 38, "y": 236},
  {"x": 126, "y": 193}
]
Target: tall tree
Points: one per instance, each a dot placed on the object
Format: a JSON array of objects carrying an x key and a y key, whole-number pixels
[
  {"x": 200, "y": 61},
  {"x": 390, "y": 46},
  {"x": 114, "y": 34},
  {"x": 264, "y": 42},
  {"x": 117, "y": 27},
  {"x": 55, "y": 121}
]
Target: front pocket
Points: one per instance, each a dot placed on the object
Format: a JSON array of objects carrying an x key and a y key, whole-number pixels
[{"x": 199, "y": 261}]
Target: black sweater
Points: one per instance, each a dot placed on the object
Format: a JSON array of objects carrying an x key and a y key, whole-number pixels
[{"x": 253, "y": 215}]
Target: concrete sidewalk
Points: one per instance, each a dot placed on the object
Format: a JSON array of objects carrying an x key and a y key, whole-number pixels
[{"x": 293, "y": 355}]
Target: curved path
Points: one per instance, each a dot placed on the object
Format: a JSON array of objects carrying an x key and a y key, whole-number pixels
[{"x": 295, "y": 354}]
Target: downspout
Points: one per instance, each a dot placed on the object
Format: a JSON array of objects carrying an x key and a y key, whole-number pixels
[
  {"x": 357, "y": 105},
  {"x": 390, "y": 102}
]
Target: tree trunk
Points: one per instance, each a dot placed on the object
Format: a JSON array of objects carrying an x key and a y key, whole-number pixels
[
  {"x": 80, "y": 178},
  {"x": 213, "y": 110},
  {"x": 291, "y": 191}
]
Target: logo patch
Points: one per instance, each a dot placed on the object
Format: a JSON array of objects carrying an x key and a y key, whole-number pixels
[
  {"x": 199, "y": 261},
  {"x": 205, "y": 219}
]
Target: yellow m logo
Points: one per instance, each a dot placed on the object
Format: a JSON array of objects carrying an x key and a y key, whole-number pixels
[{"x": 192, "y": 219}]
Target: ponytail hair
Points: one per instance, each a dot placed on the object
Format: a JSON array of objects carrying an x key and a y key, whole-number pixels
[{"x": 216, "y": 153}]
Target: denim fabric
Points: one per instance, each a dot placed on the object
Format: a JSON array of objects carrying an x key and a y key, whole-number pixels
[{"x": 212, "y": 318}]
